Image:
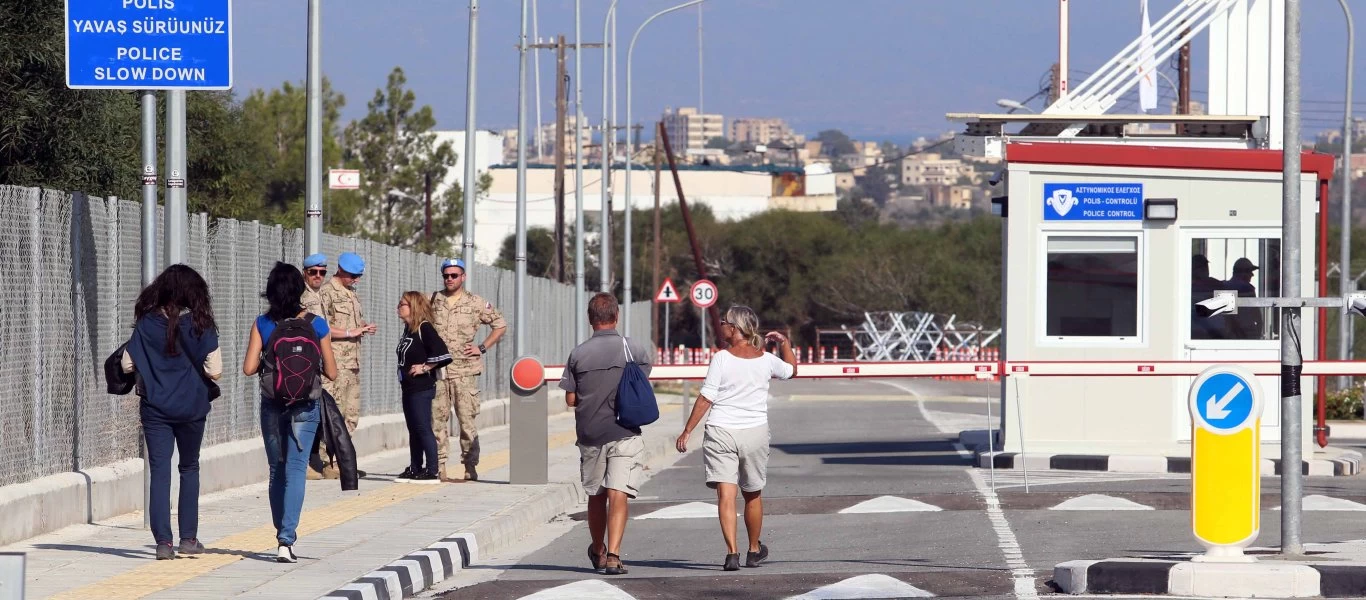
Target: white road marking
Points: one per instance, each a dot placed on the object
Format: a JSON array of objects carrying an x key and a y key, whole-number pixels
[
  {"x": 588, "y": 589},
  {"x": 1328, "y": 504},
  {"x": 690, "y": 510},
  {"x": 1100, "y": 502},
  {"x": 890, "y": 504},
  {"x": 1010, "y": 547},
  {"x": 875, "y": 585}
]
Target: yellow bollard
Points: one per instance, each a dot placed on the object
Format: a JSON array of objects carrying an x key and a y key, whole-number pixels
[{"x": 1226, "y": 480}]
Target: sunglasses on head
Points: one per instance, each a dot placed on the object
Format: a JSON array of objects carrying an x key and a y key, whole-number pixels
[{"x": 452, "y": 275}]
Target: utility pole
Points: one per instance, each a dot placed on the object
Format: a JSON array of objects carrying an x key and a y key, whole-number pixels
[
  {"x": 654, "y": 306},
  {"x": 1053, "y": 84},
  {"x": 561, "y": 105},
  {"x": 560, "y": 46},
  {"x": 427, "y": 211},
  {"x": 1183, "y": 92},
  {"x": 313, "y": 208}
]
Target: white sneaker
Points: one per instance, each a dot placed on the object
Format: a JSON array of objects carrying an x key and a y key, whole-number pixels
[{"x": 286, "y": 555}]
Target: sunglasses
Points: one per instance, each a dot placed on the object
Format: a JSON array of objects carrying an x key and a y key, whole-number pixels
[
  {"x": 452, "y": 275},
  {"x": 318, "y": 272}
]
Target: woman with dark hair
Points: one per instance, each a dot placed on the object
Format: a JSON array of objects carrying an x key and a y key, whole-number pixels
[
  {"x": 421, "y": 351},
  {"x": 288, "y": 428},
  {"x": 173, "y": 348}
]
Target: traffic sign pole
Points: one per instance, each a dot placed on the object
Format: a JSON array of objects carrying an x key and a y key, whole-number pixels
[
  {"x": 666, "y": 333},
  {"x": 1226, "y": 486},
  {"x": 177, "y": 211}
]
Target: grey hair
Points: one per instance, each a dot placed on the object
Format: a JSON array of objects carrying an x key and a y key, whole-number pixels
[{"x": 743, "y": 319}]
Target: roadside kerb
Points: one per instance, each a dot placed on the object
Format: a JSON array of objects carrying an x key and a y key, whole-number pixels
[{"x": 494, "y": 533}]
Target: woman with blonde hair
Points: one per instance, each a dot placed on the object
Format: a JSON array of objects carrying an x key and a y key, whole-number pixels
[
  {"x": 735, "y": 442},
  {"x": 421, "y": 351}
]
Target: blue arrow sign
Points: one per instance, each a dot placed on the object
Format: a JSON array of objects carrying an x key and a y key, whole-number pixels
[{"x": 1224, "y": 401}]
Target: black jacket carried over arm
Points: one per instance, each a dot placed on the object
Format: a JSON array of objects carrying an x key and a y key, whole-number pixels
[{"x": 332, "y": 429}]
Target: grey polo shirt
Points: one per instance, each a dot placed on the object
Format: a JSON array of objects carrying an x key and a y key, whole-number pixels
[{"x": 593, "y": 372}]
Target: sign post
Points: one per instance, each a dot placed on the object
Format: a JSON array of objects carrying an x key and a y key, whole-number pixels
[
  {"x": 528, "y": 431},
  {"x": 703, "y": 293},
  {"x": 667, "y": 295},
  {"x": 1226, "y": 480}
]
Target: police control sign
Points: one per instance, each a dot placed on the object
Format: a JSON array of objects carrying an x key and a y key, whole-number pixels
[
  {"x": 1093, "y": 202},
  {"x": 149, "y": 44}
]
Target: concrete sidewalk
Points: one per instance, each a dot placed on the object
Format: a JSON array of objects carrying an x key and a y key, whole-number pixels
[{"x": 342, "y": 536}]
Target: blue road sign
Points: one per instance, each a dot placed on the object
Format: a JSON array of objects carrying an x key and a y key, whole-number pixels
[
  {"x": 1093, "y": 202},
  {"x": 149, "y": 44},
  {"x": 1224, "y": 401}
]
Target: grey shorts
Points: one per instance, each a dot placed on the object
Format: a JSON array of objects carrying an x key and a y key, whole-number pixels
[
  {"x": 737, "y": 456},
  {"x": 614, "y": 465}
]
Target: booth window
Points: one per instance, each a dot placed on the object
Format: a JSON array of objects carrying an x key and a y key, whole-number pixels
[
  {"x": 1092, "y": 287},
  {"x": 1250, "y": 266}
]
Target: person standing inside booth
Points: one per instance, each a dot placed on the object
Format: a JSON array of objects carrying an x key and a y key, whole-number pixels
[{"x": 1246, "y": 324}]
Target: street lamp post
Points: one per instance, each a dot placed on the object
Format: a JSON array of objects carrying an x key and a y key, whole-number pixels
[
  {"x": 626, "y": 247},
  {"x": 1012, "y": 105},
  {"x": 606, "y": 250},
  {"x": 1345, "y": 330}
]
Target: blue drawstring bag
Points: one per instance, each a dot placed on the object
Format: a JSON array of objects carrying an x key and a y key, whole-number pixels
[{"x": 636, "y": 404}]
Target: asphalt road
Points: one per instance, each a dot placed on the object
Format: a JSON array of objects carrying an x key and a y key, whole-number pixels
[{"x": 842, "y": 452}]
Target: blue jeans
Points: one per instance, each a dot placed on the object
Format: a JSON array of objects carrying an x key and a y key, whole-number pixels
[
  {"x": 162, "y": 438},
  {"x": 288, "y": 434},
  {"x": 417, "y": 414}
]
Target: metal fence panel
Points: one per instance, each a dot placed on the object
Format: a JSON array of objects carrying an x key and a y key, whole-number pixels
[{"x": 75, "y": 271}]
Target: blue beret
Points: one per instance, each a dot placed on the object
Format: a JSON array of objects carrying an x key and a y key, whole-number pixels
[
  {"x": 351, "y": 263},
  {"x": 315, "y": 260},
  {"x": 453, "y": 262}
]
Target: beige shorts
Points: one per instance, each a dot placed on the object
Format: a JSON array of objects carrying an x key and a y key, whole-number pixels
[
  {"x": 614, "y": 465},
  {"x": 736, "y": 456}
]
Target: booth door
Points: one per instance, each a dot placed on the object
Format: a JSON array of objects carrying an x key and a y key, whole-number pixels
[{"x": 1247, "y": 261}]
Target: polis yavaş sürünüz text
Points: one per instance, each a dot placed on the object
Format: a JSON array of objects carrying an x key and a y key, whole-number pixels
[{"x": 159, "y": 54}]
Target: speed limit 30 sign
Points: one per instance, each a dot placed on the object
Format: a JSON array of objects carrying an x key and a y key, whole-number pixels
[{"x": 703, "y": 293}]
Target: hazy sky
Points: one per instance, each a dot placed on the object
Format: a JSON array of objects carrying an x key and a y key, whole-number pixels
[{"x": 875, "y": 68}]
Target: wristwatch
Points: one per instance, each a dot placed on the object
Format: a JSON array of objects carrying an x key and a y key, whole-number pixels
[{"x": 482, "y": 349}]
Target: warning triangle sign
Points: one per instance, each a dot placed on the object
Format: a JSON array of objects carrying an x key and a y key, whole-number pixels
[{"x": 667, "y": 292}]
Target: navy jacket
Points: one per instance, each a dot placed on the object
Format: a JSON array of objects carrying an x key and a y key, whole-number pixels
[{"x": 173, "y": 391}]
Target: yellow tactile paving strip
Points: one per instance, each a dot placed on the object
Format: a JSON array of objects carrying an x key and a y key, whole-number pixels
[{"x": 156, "y": 576}]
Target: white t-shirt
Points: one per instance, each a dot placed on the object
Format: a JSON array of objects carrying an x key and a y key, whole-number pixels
[{"x": 738, "y": 388}]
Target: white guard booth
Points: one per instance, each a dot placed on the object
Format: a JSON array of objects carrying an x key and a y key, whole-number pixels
[{"x": 1108, "y": 247}]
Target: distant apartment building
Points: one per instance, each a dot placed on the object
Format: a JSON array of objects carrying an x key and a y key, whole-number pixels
[
  {"x": 690, "y": 130},
  {"x": 930, "y": 169},
  {"x": 957, "y": 197},
  {"x": 760, "y": 131}
]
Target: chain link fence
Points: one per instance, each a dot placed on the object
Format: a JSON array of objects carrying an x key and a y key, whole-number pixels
[{"x": 73, "y": 269}]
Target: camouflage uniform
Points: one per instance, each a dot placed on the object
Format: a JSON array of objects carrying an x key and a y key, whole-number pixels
[
  {"x": 312, "y": 301},
  {"x": 458, "y": 319},
  {"x": 341, "y": 307}
]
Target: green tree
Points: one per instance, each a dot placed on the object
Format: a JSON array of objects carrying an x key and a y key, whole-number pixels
[
  {"x": 835, "y": 143},
  {"x": 276, "y": 128},
  {"x": 50, "y": 135},
  {"x": 718, "y": 143},
  {"x": 394, "y": 149}
]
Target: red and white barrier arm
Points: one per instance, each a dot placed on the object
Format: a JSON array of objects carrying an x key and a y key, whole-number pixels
[
  {"x": 829, "y": 370},
  {"x": 1178, "y": 368},
  {"x": 1010, "y": 369}
]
